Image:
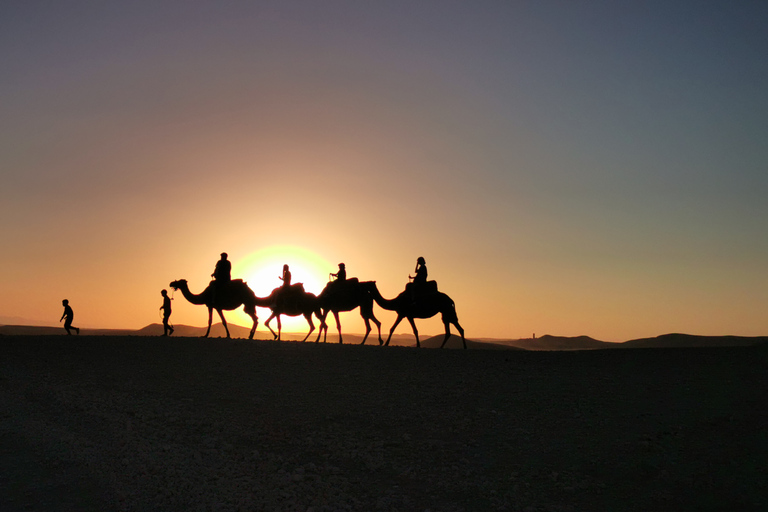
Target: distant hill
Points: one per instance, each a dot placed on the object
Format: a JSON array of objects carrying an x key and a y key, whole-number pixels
[
  {"x": 398, "y": 340},
  {"x": 455, "y": 342},
  {"x": 33, "y": 330},
  {"x": 18, "y": 320},
  {"x": 690, "y": 340},
  {"x": 544, "y": 343},
  {"x": 549, "y": 342}
]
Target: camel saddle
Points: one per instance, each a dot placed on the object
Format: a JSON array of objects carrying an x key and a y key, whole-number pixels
[
  {"x": 429, "y": 288},
  {"x": 338, "y": 286},
  {"x": 232, "y": 284}
]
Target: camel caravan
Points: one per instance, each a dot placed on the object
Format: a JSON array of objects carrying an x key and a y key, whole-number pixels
[{"x": 420, "y": 299}]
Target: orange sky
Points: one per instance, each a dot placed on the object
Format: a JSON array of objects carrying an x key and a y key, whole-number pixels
[{"x": 563, "y": 169}]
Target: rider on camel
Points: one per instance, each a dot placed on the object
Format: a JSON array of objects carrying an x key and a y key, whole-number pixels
[
  {"x": 286, "y": 278},
  {"x": 420, "y": 279},
  {"x": 222, "y": 274}
]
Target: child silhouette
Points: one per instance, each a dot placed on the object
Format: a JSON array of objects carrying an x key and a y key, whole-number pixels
[{"x": 69, "y": 315}]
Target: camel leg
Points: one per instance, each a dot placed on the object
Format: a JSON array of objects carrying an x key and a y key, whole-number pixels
[
  {"x": 322, "y": 331},
  {"x": 223, "y": 321},
  {"x": 367, "y": 329},
  {"x": 399, "y": 319},
  {"x": 368, "y": 315},
  {"x": 415, "y": 331},
  {"x": 252, "y": 314},
  {"x": 338, "y": 324},
  {"x": 447, "y": 332},
  {"x": 378, "y": 327},
  {"x": 461, "y": 331},
  {"x": 366, "y": 311},
  {"x": 320, "y": 317},
  {"x": 210, "y": 319},
  {"x": 451, "y": 318},
  {"x": 279, "y": 328},
  {"x": 266, "y": 324},
  {"x": 311, "y": 326}
]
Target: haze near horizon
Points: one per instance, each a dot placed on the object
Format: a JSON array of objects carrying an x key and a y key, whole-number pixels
[{"x": 564, "y": 168}]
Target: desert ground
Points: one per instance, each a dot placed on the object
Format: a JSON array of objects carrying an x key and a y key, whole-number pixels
[{"x": 140, "y": 423}]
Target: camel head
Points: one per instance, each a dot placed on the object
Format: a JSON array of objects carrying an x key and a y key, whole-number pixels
[{"x": 178, "y": 284}]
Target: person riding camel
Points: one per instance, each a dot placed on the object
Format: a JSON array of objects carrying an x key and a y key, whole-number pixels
[
  {"x": 286, "y": 277},
  {"x": 341, "y": 275},
  {"x": 222, "y": 273},
  {"x": 223, "y": 270},
  {"x": 420, "y": 279},
  {"x": 340, "y": 279}
]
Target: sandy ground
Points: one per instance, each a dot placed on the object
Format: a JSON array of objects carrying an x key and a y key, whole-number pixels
[{"x": 149, "y": 423}]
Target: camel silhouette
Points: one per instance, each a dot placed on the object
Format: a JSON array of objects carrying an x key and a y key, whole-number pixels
[
  {"x": 292, "y": 301},
  {"x": 234, "y": 294},
  {"x": 424, "y": 306},
  {"x": 347, "y": 295}
]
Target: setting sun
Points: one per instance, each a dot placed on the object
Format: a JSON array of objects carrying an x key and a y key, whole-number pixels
[{"x": 262, "y": 270}]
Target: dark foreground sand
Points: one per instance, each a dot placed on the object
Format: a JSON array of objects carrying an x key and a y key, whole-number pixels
[{"x": 139, "y": 423}]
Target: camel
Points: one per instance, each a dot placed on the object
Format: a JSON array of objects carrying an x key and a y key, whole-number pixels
[
  {"x": 292, "y": 301},
  {"x": 347, "y": 295},
  {"x": 424, "y": 306},
  {"x": 231, "y": 296}
]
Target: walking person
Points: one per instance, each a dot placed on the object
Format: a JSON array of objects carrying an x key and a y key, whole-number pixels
[
  {"x": 166, "y": 307},
  {"x": 69, "y": 315}
]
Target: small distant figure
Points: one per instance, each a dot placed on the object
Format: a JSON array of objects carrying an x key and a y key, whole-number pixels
[
  {"x": 223, "y": 270},
  {"x": 69, "y": 315},
  {"x": 286, "y": 278},
  {"x": 166, "y": 307},
  {"x": 341, "y": 275}
]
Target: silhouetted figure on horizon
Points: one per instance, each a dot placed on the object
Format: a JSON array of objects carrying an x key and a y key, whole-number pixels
[
  {"x": 421, "y": 272},
  {"x": 345, "y": 295},
  {"x": 341, "y": 275},
  {"x": 223, "y": 270},
  {"x": 420, "y": 279},
  {"x": 166, "y": 307},
  {"x": 232, "y": 297},
  {"x": 286, "y": 277},
  {"x": 337, "y": 280},
  {"x": 292, "y": 300},
  {"x": 69, "y": 315},
  {"x": 426, "y": 306},
  {"x": 222, "y": 274}
]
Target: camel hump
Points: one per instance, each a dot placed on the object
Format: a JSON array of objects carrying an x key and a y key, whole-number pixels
[
  {"x": 353, "y": 280},
  {"x": 293, "y": 290}
]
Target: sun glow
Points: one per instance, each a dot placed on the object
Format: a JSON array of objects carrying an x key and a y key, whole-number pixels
[{"x": 262, "y": 271}]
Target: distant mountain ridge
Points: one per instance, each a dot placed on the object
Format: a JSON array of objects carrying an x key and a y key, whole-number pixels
[
  {"x": 691, "y": 340},
  {"x": 544, "y": 343}
]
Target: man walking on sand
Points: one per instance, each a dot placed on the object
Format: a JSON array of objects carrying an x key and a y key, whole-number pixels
[
  {"x": 166, "y": 307},
  {"x": 69, "y": 315}
]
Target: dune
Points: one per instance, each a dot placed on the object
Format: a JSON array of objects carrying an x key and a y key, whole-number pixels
[
  {"x": 454, "y": 342},
  {"x": 546, "y": 342},
  {"x": 688, "y": 340},
  {"x": 101, "y": 423},
  {"x": 550, "y": 342}
]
